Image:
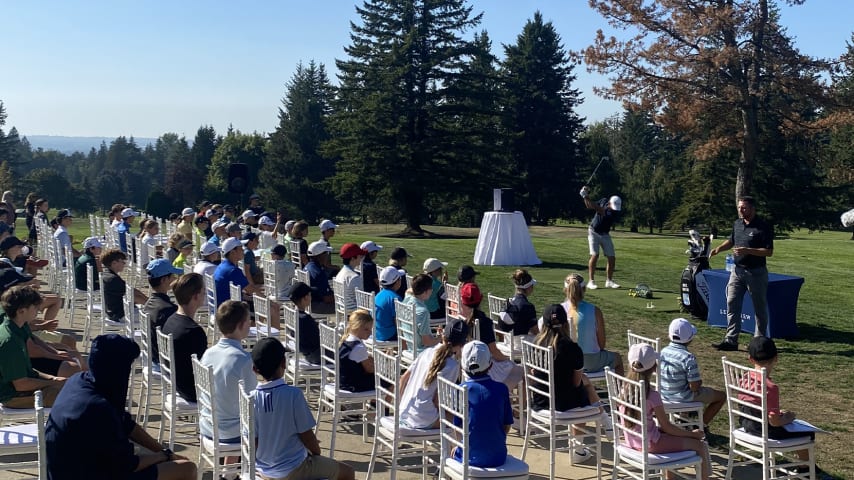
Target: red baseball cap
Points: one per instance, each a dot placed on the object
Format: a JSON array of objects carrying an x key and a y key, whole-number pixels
[
  {"x": 470, "y": 294},
  {"x": 351, "y": 250}
]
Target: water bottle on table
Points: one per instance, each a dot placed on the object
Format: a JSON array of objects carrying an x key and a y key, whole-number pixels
[{"x": 730, "y": 262}]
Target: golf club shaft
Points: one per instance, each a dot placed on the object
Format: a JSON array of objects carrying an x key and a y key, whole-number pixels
[{"x": 595, "y": 170}]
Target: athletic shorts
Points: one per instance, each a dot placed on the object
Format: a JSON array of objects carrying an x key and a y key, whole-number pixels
[
  {"x": 48, "y": 366},
  {"x": 596, "y": 362},
  {"x": 312, "y": 468},
  {"x": 597, "y": 240},
  {"x": 705, "y": 395}
]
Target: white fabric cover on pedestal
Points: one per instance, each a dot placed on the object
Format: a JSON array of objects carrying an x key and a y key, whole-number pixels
[{"x": 504, "y": 240}]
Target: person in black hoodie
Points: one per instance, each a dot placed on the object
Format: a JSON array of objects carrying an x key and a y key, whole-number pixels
[
  {"x": 89, "y": 433},
  {"x": 161, "y": 275}
]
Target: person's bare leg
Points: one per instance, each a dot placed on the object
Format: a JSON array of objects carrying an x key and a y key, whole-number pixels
[
  {"x": 67, "y": 369},
  {"x": 179, "y": 469},
  {"x": 714, "y": 407},
  {"x": 50, "y": 306},
  {"x": 591, "y": 266},
  {"x": 609, "y": 269},
  {"x": 618, "y": 365},
  {"x": 345, "y": 472}
]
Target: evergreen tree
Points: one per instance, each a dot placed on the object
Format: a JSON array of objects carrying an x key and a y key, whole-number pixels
[
  {"x": 391, "y": 129},
  {"x": 295, "y": 173},
  {"x": 541, "y": 120},
  {"x": 236, "y": 147},
  {"x": 204, "y": 146}
]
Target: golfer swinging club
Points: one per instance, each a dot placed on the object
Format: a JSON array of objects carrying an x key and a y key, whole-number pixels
[{"x": 598, "y": 234}]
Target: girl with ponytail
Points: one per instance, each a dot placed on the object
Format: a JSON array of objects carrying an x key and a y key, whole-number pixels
[{"x": 587, "y": 328}]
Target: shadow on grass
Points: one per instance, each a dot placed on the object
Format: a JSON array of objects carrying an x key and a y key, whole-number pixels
[
  {"x": 425, "y": 235},
  {"x": 823, "y": 333}
]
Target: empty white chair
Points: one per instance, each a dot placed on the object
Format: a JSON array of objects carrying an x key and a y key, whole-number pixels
[
  {"x": 211, "y": 450},
  {"x": 454, "y": 404},
  {"x": 262, "y": 327},
  {"x": 400, "y": 441},
  {"x": 174, "y": 407},
  {"x": 342, "y": 312},
  {"x": 17, "y": 440},
  {"x": 572, "y": 426},
  {"x": 332, "y": 398},
  {"x": 211, "y": 303},
  {"x": 742, "y": 382},
  {"x": 149, "y": 374},
  {"x": 247, "y": 434},
  {"x": 629, "y": 410},
  {"x": 408, "y": 338}
]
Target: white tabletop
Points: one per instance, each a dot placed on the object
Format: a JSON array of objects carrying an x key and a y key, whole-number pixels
[{"x": 504, "y": 240}]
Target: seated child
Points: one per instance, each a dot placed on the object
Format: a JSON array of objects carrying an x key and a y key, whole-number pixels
[
  {"x": 490, "y": 414},
  {"x": 419, "y": 387},
  {"x": 436, "y": 302},
  {"x": 664, "y": 437},
  {"x": 357, "y": 365},
  {"x": 763, "y": 354},
  {"x": 384, "y": 310},
  {"x": 679, "y": 376},
  {"x": 284, "y": 426},
  {"x": 309, "y": 332},
  {"x": 521, "y": 316},
  {"x": 418, "y": 292}
]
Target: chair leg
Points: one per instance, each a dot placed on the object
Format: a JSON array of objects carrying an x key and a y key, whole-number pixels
[{"x": 335, "y": 414}]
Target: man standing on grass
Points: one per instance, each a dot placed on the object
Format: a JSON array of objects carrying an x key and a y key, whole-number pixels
[
  {"x": 599, "y": 235},
  {"x": 751, "y": 240}
]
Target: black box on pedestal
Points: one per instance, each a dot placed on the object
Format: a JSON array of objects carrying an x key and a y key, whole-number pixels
[{"x": 503, "y": 200}]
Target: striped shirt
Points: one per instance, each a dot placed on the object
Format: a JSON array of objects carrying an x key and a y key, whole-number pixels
[{"x": 678, "y": 368}]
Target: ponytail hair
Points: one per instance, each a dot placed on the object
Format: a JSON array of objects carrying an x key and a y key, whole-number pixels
[
  {"x": 440, "y": 358},
  {"x": 635, "y": 375},
  {"x": 522, "y": 280},
  {"x": 357, "y": 320}
]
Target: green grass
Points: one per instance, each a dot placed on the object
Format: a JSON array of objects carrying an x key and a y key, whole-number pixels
[{"x": 814, "y": 373}]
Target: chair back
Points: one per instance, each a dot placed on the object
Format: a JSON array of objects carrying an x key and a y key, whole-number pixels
[
  {"x": 746, "y": 382},
  {"x": 452, "y": 303},
  {"x": 129, "y": 307},
  {"x": 271, "y": 280},
  {"x": 205, "y": 394},
  {"x": 497, "y": 305},
  {"x": 386, "y": 379},
  {"x": 262, "y": 315},
  {"x": 342, "y": 313},
  {"x": 538, "y": 363},
  {"x": 453, "y": 405},
  {"x": 144, "y": 340},
  {"x": 235, "y": 292},
  {"x": 210, "y": 294},
  {"x": 407, "y": 331},
  {"x": 290, "y": 327},
  {"x": 329, "y": 357},
  {"x": 166, "y": 347},
  {"x": 303, "y": 276},
  {"x": 247, "y": 432},
  {"x": 42, "y": 439},
  {"x": 628, "y": 409},
  {"x": 634, "y": 339},
  {"x": 92, "y": 299},
  {"x": 365, "y": 301},
  {"x": 150, "y": 250},
  {"x": 296, "y": 257}
]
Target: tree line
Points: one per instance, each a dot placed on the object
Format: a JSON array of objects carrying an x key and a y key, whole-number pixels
[{"x": 425, "y": 120}]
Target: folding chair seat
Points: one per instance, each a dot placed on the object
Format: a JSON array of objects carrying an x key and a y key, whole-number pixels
[
  {"x": 454, "y": 403},
  {"x": 24, "y": 439},
  {"x": 211, "y": 450},
  {"x": 629, "y": 407}
]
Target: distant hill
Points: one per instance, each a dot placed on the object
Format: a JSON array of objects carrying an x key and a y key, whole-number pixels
[{"x": 69, "y": 145}]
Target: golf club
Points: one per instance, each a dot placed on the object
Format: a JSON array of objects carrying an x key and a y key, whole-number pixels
[{"x": 596, "y": 169}]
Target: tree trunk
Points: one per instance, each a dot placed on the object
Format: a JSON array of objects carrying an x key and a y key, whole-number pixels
[{"x": 749, "y": 150}]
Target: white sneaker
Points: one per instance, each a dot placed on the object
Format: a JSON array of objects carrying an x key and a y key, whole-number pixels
[
  {"x": 611, "y": 284},
  {"x": 591, "y": 285},
  {"x": 607, "y": 426},
  {"x": 581, "y": 455}
]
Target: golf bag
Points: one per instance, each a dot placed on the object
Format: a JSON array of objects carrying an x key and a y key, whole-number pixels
[{"x": 694, "y": 291}]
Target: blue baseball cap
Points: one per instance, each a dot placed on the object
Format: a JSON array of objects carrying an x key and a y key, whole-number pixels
[{"x": 161, "y": 267}]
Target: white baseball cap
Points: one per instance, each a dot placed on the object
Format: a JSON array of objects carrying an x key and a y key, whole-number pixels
[
  {"x": 644, "y": 355},
  {"x": 369, "y": 246},
  {"x": 327, "y": 225},
  {"x": 92, "y": 242},
  {"x": 230, "y": 244},
  {"x": 389, "y": 275},
  {"x": 476, "y": 357},
  {"x": 187, "y": 211},
  {"x": 267, "y": 221},
  {"x": 616, "y": 203},
  {"x": 681, "y": 330},
  {"x": 208, "y": 248},
  {"x": 129, "y": 212},
  {"x": 433, "y": 264},
  {"x": 318, "y": 247},
  {"x": 248, "y": 214}
]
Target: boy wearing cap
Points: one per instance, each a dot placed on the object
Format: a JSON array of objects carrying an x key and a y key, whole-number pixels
[
  {"x": 188, "y": 336},
  {"x": 250, "y": 264},
  {"x": 250, "y": 219},
  {"x": 64, "y": 220},
  {"x": 124, "y": 227},
  {"x": 159, "y": 306},
  {"x": 219, "y": 232},
  {"x": 284, "y": 273},
  {"x": 763, "y": 354},
  {"x": 351, "y": 256},
  {"x": 679, "y": 375},
  {"x": 322, "y": 298},
  {"x": 298, "y": 232},
  {"x": 186, "y": 225},
  {"x": 211, "y": 257},
  {"x": 436, "y": 303},
  {"x": 185, "y": 250},
  {"x": 284, "y": 425},
  {"x": 327, "y": 231},
  {"x": 370, "y": 277},
  {"x": 309, "y": 332},
  {"x": 490, "y": 413},
  {"x": 268, "y": 228},
  {"x": 599, "y": 235},
  {"x": 229, "y": 272},
  {"x": 202, "y": 227},
  {"x": 398, "y": 259},
  {"x": 384, "y": 313},
  {"x": 92, "y": 249},
  {"x": 255, "y": 204}
]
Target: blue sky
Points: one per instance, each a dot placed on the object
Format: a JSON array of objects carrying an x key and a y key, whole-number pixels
[{"x": 108, "y": 68}]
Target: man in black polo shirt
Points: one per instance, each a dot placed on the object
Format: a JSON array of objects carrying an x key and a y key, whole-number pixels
[
  {"x": 599, "y": 236},
  {"x": 752, "y": 240}
]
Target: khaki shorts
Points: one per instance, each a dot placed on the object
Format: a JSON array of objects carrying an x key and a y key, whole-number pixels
[
  {"x": 312, "y": 468},
  {"x": 596, "y": 241},
  {"x": 705, "y": 395}
]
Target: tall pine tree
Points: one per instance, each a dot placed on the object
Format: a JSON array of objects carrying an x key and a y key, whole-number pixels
[
  {"x": 392, "y": 128},
  {"x": 541, "y": 120},
  {"x": 295, "y": 174}
]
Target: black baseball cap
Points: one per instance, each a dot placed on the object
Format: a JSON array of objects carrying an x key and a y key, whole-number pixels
[
  {"x": 762, "y": 348},
  {"x": 466, "y": 273},
  {"x": 279, "y": 250},
  {"x": 554, "y": 315},
  {"x": 185, "y": 243},
  {"x": 456, "y": 331},
  {"x": 299, "y": 290},
  {"x": 267, "y": 355},
  {"x": 399, "y": 253},
  {"x": 64, "y": 213},
  {"x": 202, "y": 219},
  {"x": 10, "y": 242}
]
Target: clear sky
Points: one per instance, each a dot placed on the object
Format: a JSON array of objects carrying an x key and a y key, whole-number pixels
[{"x": 116, "y": 67}]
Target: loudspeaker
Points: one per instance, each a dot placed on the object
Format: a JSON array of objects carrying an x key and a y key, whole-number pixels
[
  {"x": 503, "y": 200},
  {"x": 238, "y": 178}
]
